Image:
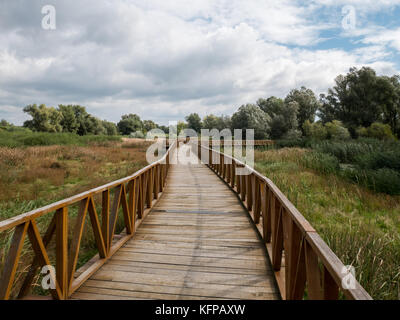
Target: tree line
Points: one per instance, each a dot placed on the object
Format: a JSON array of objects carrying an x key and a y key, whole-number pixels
[
  {"x": 75, "y": 119},
  {"x": 360, "y": 104}
]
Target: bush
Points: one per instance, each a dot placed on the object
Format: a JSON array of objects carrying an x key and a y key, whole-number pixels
[
  {"x": 293, "y": 134},
  {"x": 22, "y": 138},
  {"x": 137, "y": 134},
  {"x": 376, "y": 130},
  {"x": 380, "y": 159},
  {"x": 290, "y": 143},
  {"x": 321, "y": 162},
  {"x": 381, "y": 180},
  {"x": 315, "y": 130},
  {"x": 345, "y": 151},
  {"x": 336, "y": 131}
]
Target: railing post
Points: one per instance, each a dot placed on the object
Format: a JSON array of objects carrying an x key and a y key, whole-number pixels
[
  {"x": 132, "y": 203},
  {"x": 243, "y": 187},
  {"x": 256, "y": 199},
  {"x": 233, "y": 175},
  {"x": 277, "y": 233},
  {"x": 249, "y": 189},
  {"x": 266, "y": 212},
  {"x": 105, "y": 218},
  {"x": 156, "y": 181},
  {"x": 62, "y": 251},
  {"x": 11, "y": 263},
  {"x": 149, "y": 190},
  {"x": 331, "y": 289}
]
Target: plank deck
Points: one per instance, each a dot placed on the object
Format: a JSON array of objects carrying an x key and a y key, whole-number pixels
[{"x": 196, "y": 243}]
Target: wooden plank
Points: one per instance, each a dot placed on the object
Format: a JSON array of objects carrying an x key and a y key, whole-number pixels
[
  {"x": 25, "y": 288},
  {"x": 172, "y": 279},
  {"x": 178, "y": 269},
  {"x": 40, "y": 251},
  {"x": 194, "y": 244},
  {"x": 191, "y": 260},
  {"x": 187, "y": 292},
  {"x": 10, "y": 266},
  {"x": 76, "y": 239},
  {"x": 62, "y": 250}
]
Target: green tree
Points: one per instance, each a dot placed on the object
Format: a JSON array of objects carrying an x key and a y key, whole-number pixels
[
  {"x": 283, "y": 116},
  {"x": 271, "y": 106},
  {"x": 165, "y": 129},
  {"x": 307, "y": 104},
  {"x": 250, "y": 116},
  {"x": 194, "y": 122},
  {"x": 390, "y": 90},
  {"x": 210, "y": 122},
  {"x": 149, "y": 125},
  {"x": 68, "y": 122},
  {"x": 181, "y": 126},
  {"x": 214, "y": 122},
  {"x": 110, "y": 128},
  {"x": 361, "y": 98},
  {"x": 224, "y": 122},
  {"x": 44, "y": 119},
  {"x": 4, "y": 123},
  {"x": 83, "y": 119},
  {"x": 130, "y": 123}
]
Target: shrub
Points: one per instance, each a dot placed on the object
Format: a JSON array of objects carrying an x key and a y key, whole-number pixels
[
  {"x": 362, "y": 132},
  {"x": 293, "y": 134},
  {"x": 380, "y": 159},
  {"x": 321, "y": 162},
  {"x": 336, "y": 131},
  {"x": 137, "y": 134},
  {"x": 345, "y": 151},
  {"x": 290, "y": 143},
  {"x": 315, "y": 130},
  {"x": 376, "y": 130},
  {"x": 381, "y": 180},
  {"x": 20, "y": 138}
]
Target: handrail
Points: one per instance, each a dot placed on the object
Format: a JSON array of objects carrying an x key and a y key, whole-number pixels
[
  {"x": 135, "y": 194},
  {"x": 303, "y": 263}
]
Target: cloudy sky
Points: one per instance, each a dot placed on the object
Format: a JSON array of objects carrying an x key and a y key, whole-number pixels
[{"x": 164, "y": 59}]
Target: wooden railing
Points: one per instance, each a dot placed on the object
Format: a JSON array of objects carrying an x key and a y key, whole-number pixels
[
  {"x": 304, "y": 265},
  {"x": 229, "y": 142},
  {"x": 134, "y": 194}
]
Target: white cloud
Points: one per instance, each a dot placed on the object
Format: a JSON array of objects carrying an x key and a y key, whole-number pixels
[
  {"x": 389, "y": 37},
  {"x": 164, "y": 59}
]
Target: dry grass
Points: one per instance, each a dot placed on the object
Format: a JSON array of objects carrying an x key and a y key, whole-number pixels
[
  {"x": 33, "y": 177},
  {"x": 54, "y": 172},
  {"x": 362, "y": 227}
]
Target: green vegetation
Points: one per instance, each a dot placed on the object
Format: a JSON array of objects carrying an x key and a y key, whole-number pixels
[
  {"x": 361, "y": 104},
  {"x": 369, "y": 162},
  {"x": 20, "y": 137},
  {"x": 360, "y": 226},
  {"x": 71, "y": 118}
]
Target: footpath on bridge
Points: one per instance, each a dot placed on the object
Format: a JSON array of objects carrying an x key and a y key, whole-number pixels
[{"x": 197, "y": 242}]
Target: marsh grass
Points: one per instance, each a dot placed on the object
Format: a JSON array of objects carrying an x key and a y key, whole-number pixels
[
  {"x": 32, "y": 177},
  {"x": 361, "y": 226}
]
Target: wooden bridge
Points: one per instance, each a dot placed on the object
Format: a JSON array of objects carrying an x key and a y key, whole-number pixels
[{"x": 190, "y": 233}]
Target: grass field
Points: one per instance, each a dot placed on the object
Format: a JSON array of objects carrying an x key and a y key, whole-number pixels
[
  {"x": 31, "y": 177},
  {"x": 361, "y": 226}
]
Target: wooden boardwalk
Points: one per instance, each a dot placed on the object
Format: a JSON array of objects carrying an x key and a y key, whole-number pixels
[{"x": 197, "y": 242}]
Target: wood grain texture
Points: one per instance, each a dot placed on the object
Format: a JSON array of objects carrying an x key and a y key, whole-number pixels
[{"x": 196, "y": 243}]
